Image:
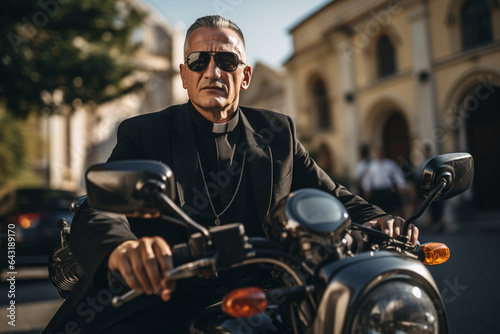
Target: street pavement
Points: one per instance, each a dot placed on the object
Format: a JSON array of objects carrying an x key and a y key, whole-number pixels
[
  {"x": 468, "y": 281},
  {"x": 36, "y": 301}
]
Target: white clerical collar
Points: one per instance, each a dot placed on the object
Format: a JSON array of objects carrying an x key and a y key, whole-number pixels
[{"x": 226, "y": 127}]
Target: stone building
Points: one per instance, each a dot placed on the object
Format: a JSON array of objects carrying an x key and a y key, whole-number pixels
[
  {"x": 267, "y": 89},
  {"x": 401, "y": 74}
]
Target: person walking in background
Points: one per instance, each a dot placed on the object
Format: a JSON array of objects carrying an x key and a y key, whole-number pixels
[
  {"x": 383, "y": 183},
  {"x": 362, "y": 167}
]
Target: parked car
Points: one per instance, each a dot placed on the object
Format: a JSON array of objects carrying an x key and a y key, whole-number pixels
[{"x": 30, "y": 215}]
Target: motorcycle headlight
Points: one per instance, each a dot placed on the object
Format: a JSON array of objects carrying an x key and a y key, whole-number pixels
[{"x": 396, "y": 307}]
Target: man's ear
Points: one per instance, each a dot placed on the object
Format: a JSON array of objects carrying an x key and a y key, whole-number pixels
[
  {"x": 247, "y": 76},
  {"x": 182, "y": 70}
]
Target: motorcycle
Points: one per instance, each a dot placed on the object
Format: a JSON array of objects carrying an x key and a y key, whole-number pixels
[{"x": 324, "y": 281}]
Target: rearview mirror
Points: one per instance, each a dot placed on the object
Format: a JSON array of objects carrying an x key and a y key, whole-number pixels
[
  {"x": 118, "y": 186},
  {"x": 456, "y": 168}
]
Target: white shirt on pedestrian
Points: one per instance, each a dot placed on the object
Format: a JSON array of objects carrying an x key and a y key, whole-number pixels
[{"x": 382, "y": 174}]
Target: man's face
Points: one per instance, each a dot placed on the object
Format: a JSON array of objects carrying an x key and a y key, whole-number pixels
[{"x": 213, "y": 89}]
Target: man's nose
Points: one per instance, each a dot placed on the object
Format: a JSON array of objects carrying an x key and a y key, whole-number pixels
[{"x": 212, "y": 71}]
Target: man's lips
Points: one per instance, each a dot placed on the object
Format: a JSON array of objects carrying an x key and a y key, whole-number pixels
[{"x": 213, "y": 88}]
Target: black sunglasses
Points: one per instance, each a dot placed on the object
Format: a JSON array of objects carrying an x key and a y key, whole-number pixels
[{"x": 226, "y": 61}]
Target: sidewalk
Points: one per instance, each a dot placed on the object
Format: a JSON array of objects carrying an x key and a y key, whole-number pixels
[{"x": 480, "y": 221}]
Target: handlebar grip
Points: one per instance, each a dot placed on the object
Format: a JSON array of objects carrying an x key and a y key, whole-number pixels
[{"x": 180, "y": 255}]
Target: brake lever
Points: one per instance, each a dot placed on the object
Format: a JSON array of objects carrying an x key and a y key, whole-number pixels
[
  {"x": 118, "y": 301},
  {"x": 202, "y": 267}
]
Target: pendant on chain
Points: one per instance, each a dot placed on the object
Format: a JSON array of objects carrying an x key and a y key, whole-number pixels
[{"x": 217, "y": 220}]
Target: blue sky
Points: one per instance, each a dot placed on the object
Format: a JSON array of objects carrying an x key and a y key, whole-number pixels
[{"x": 265, "y": 23}]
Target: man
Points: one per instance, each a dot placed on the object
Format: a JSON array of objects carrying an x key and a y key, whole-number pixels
[
  {"x": 231, "y": 164},
  {"x": 383, "y": 183},
  {"x": 362, "y": 166}
]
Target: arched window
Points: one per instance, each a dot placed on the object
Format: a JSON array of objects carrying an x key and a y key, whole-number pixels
[
  {"x": 321, "y": 105},
  {"x": 476, "y": 24},
  {"x": 386, "y": 57}
]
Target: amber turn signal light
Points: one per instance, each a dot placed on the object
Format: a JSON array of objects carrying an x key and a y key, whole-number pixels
[
  {"x": 245, "y": 302},
  {"x": 435, "y": 253}
]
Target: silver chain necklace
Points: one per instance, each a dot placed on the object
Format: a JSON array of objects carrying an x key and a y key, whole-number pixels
[{"x": 217, "y": 215}]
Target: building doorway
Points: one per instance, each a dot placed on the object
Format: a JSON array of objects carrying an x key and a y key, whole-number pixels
[
  {"x": 396, "y": 140},
  {"x": 482, "y": 111}
]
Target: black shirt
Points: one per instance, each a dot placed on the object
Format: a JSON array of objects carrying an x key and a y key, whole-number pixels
[{"x": 222, "y": 164}]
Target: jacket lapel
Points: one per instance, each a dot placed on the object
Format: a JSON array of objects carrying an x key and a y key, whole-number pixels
[
  {"x": 260, "y": 166},
  {"x": 184, "y": 162}
]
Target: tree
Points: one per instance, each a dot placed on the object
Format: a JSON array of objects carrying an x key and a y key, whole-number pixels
[
  {"x": 56, "y": 53},
  {"x": 12, "y": 148}
]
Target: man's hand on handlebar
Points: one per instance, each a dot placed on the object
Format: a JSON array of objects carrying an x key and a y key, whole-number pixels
[
  {"x": 393, "y": 226},
  {"x": 143, "y": 263}
]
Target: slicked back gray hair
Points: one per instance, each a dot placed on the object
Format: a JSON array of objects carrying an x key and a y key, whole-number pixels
[{"x": 213, "y": 21}]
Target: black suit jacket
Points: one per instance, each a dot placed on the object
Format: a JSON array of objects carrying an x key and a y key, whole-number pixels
[{"x": 277, "y": 164}]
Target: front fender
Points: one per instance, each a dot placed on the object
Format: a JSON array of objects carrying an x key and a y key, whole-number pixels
[
  {"x": 349, "y": 280},
  {"x": 213, "y": 321}
]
